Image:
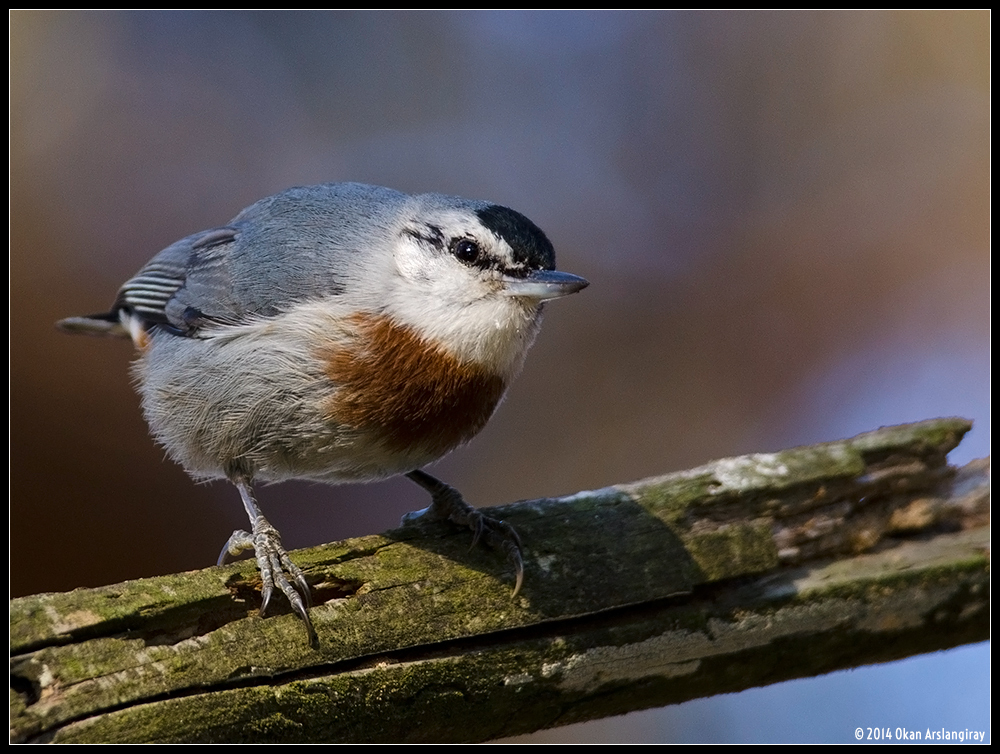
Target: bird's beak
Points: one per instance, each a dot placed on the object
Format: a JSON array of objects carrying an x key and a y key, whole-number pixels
[{"x": 544, "y": 284}]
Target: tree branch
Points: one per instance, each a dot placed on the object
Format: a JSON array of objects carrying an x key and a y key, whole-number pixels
[{"x": 740, "y": 573}]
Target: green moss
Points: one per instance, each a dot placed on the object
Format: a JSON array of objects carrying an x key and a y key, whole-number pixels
[
  {"x": 734, "y": 550},
  {"x": 670, "y": 498}
]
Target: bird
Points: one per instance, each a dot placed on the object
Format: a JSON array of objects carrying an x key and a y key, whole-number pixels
[{"x": 337, "y": 333}]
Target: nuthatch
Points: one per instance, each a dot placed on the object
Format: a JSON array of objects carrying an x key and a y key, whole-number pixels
[{"x": 337, "y": 333}]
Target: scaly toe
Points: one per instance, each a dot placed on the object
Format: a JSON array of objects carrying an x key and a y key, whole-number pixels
[{"x": 274, "y": 563}]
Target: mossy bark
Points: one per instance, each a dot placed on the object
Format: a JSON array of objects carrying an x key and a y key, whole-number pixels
[{"x": 740, "y": 573}]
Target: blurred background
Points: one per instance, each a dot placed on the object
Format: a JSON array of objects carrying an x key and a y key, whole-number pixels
[{"x": 784, "y": 217}]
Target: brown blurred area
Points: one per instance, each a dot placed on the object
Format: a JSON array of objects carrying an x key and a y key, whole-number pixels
[{"x": 784, "y": 217}]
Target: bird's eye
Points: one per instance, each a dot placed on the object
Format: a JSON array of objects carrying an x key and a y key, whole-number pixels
[{"x": 467, "y": 251}]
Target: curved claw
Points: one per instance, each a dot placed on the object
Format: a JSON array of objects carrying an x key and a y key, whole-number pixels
[
  {"x": 273, "y": 561},
  {"x": 237, "y": 543},
  {"x": 519, "y": 573},
  {"x": 512, "y": 546},
  {"x": 501, "y": 536},
  {"x": 477, "y": 530}
]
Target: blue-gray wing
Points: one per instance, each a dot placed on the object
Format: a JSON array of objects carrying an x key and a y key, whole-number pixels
[
  {"x": 160, "y": 294},
  {"x": 186, "y": 286},
  {"x": 303, "y": 243}
]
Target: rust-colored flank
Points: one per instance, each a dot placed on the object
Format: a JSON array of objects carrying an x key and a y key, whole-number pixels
[{"x": 418, "y": 394}]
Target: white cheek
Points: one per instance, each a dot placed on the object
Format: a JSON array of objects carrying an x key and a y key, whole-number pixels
[{"x": 410, "y": 260}]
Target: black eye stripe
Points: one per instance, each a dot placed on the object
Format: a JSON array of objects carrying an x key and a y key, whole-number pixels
[
  {"x": 529, "y": 249},
  {"x": 427, "y": 233},
  {"x": 470, "y": 252}
]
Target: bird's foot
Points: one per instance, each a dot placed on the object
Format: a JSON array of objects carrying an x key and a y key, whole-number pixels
[
  {"x": 276, "y": 569},
  {"x": 448, "y": 503}
]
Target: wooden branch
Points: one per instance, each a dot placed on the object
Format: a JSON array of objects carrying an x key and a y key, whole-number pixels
[{"x": 740, "y": 573}]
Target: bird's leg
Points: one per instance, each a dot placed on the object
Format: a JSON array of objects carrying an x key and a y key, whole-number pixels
[
  {"x": 448, "y": 503},
  {"x": 272, "y": 559}
]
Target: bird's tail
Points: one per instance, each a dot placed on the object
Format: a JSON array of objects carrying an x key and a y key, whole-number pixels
[{"x": 107, "y": 325}]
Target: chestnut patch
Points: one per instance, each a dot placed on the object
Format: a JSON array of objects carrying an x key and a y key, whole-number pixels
[{"x": 414, "y": 394}]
